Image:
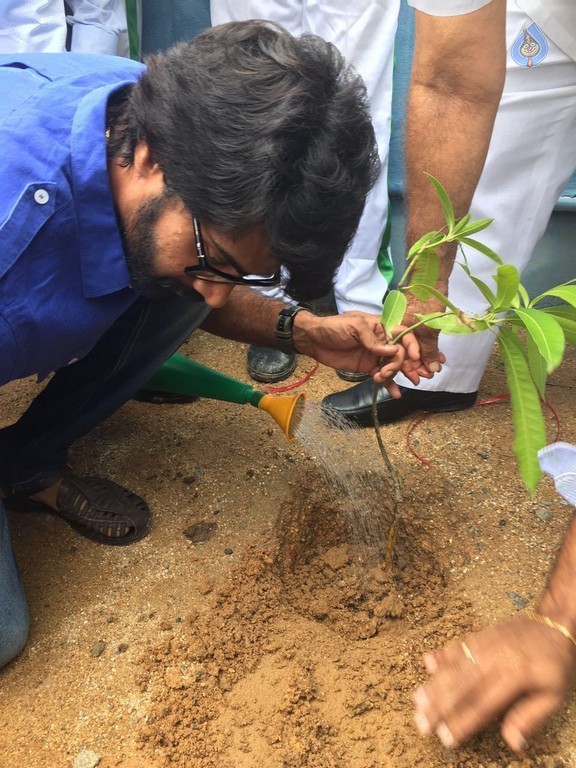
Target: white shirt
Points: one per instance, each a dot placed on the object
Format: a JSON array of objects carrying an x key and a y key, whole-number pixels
[
  {"x": 556, "y": 18},
  {"x": 448, "y": 7}
]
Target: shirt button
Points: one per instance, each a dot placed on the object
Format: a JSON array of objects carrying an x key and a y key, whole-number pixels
[{"x": 41, "y": 196}]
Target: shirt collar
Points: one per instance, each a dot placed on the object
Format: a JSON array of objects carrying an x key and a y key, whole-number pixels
[{"x": 102, "y": 262}]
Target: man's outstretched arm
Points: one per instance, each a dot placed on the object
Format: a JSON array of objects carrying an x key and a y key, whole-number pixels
[
  {"x": 457, "y": 79},
  {"x": 354, "y": 340}
]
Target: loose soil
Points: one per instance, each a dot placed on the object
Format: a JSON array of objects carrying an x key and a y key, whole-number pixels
[{"x": 258, "y": 625}]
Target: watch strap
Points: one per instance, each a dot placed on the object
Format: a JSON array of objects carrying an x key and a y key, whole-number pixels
[{"x": 285, "y": 327}]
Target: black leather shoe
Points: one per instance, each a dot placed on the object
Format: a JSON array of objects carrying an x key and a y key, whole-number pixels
[
  {"x": 355, "y": 404},
  {"x": 269, "y": 365}
]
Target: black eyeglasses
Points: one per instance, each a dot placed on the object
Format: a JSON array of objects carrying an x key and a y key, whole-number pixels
[{"x": 204, "y": 271}]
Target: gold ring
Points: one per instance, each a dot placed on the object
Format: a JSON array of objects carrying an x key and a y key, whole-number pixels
[{"x": 468, "y": 653}]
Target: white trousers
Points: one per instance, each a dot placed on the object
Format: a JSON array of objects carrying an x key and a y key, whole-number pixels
[
  {"x": 363, "y": 31},
  {"x": 98, "y": 26},
  {"x": 531, "y": 157}
]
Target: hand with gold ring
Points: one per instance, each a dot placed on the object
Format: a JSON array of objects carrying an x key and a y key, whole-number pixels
[{"x": 518, "y": 670}]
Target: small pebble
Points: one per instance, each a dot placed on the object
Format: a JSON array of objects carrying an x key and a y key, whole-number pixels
[
  {"x": 200, "y": 532},
  {"x": 98, "y": 648},
  {"x": 517, "y": 599},
  {"x": 86, "y": 759},
  {"x": 204, "y": 585},
  {"x": 228, "y": 551},
  {"x": 544, "y": 514}
]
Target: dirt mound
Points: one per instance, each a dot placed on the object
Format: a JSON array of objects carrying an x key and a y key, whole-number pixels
[{"x": 258, "y": 626}]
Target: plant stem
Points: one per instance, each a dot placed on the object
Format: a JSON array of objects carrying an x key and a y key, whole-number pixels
[{"x": 394, "y": 480}]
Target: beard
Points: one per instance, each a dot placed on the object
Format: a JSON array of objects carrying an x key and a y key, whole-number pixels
[{"x": 140, "y": 250}]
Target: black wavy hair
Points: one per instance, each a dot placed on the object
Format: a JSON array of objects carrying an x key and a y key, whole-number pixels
[{"x": 253, "y": 127}]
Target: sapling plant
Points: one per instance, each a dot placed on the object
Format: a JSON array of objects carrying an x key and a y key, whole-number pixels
[{"x": 531, "y": 337}]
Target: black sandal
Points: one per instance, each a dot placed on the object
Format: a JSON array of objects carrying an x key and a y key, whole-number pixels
[{"x": 97, "y": 508}]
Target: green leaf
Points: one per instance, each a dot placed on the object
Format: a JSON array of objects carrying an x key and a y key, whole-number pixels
[
  {"x": 566, "y": 319},
  {"x": 393, "y": 311},
  {"x": 447, "y": 323},
  {"x": 529, "y": 430},
  {"x": 444, "y": 200},
  {"x": 546, "y": 333},
  {"x": 507, "y": 281},
  {"x": 429, "y": 240},
  {"x": 428, "y": 290},
  {"x": 460, "y": 225},
  {"x": 482, "y": 287},
  {"x": 565, "y": 292},
  {"x": 425, "y": 271},
  {"x": 524, "y": 295},
  {"x": 482, "y": 248},
  {"x": 537, "y": 366},
  {"x": 474, "y": 226}
]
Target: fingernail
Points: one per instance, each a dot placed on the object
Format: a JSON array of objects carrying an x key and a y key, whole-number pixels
[
  {"x": 430, "y": 663},
  {"x": 515, "y": 739},
  {"x": 445, "y": 735},
  {"x": 422, "y": 724},
  {"x": 434, "y": 367},
  {"x": 420, "y": 698}
]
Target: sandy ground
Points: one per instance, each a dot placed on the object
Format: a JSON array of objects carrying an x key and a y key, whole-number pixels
[{"x": 280, "y": 640}]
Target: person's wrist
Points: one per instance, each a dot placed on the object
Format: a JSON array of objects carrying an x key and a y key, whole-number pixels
[
  {"x": 286, "y": 325},
  {"x": 557, "y": 612},
  {"x": 560, "y": 621},
  {"x": 304, "y": 322}
]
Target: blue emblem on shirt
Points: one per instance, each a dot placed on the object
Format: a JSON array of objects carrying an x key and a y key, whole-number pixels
[{"x": 530, "y": 47}]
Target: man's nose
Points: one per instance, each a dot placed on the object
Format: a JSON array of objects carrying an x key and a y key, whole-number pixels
[{"x": 215, "y": 294}]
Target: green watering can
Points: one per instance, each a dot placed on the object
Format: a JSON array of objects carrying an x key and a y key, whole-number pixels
[{"x": 183, "y": 376}]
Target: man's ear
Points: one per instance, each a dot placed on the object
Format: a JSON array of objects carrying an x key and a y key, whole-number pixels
[{"x": 144, "y": 164}]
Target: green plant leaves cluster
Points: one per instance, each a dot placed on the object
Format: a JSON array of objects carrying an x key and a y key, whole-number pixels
[{"x": 531, "y": 337}]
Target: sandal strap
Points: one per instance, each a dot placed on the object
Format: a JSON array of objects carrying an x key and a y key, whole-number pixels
[{"x": 102, "y": 506}]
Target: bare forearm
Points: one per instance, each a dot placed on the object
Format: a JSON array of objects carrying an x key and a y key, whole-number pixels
[
  {"x": 247, "y": 316},
  {"x": 457, "y": 78},
  {"x": 557, "y": 601}
]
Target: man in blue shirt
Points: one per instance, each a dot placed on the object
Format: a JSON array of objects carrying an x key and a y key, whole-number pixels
[{"x": 135, "y": 201}]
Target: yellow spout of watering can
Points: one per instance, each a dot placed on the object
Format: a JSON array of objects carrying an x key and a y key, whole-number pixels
[
  {"x": 286, "y": 410},
  {"x": 183, "y": 376}
]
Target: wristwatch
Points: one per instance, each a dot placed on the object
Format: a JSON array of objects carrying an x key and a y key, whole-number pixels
[{"x": 284, "y": 328}]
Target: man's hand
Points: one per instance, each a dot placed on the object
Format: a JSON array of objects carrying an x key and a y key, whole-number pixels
[
  {"x": 518, "y": 669},
  {"x": 431, "y": 357},
  {"x": 356, "y": 341}
]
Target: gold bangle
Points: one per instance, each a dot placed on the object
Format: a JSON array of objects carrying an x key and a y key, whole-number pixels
[{"x": 550, "y": 623}]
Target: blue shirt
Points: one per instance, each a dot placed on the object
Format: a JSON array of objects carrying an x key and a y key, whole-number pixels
[{"x": 63, "y": 276}]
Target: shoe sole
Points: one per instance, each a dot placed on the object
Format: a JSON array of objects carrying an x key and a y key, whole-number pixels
[
  {"x": 270, "y": 378},
  {"x": 30, "y": 506}
]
